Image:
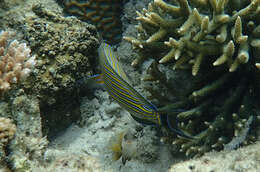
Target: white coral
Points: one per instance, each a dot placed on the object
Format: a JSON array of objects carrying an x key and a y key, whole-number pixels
[{"x": 16, "y": 61}]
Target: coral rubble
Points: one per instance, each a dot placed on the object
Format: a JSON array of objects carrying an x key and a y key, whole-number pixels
[
  {"x": 29, "y": 144},
  {"x": 218, "y": 40},
  {"x": 243, "y": 159},
  {"x": 72, "y": 162}
]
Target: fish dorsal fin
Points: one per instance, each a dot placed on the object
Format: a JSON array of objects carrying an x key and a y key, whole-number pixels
[{"x": 110, "y": 57}]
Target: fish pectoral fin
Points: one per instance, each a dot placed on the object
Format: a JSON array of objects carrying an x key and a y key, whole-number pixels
[
  {"x": 98, "y": 78},
  {"x": 92, "y": 82}
]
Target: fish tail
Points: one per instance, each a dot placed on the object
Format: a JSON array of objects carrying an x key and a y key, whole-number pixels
[{"x": 177, "y": 130}]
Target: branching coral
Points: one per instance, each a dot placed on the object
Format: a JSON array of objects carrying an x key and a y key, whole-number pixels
[
  {"x": 199, "y": 35},
  {"x": 7, "y": 130},
  {"x": 16, "y": 61},
  {"x": 219, "y": 41}
]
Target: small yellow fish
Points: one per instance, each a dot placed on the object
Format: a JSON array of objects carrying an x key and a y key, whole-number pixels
[
  {"x": 123, "y": 144},
  {"x": 129, "y": 147},
  {"x": 115, "y": 144}
]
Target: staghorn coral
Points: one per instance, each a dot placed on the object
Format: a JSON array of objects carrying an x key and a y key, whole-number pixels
[
  {"x": 16, "y": 61},
  {"x": 198, "y": 36},
  {"x": 218, "y": 40}
]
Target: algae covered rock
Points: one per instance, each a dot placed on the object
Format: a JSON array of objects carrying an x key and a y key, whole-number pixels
[
  {"x": 64, "y": 47},
  {"x": 46, "y": 101},
  {"x": 29, "y": 143},
  {"x": 217, "y": 42}
]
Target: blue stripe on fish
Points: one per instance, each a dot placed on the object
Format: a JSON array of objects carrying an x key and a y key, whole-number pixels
[
  {"x": 110, "y": 57},
  {"x": 130, "y": 100},
  {"x": 117, "y": 85}
]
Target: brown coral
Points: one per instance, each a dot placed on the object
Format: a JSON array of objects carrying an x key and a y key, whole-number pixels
[
  {"x": 104, "y": 14},
  {"x": 7, "y": 129}
]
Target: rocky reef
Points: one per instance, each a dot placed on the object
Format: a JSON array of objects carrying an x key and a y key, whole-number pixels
[
  {"x": 47, "y": 125},
  {"x": 64, "y": 47},
  {"x": 40, "y": 65},
  {"x": 217, "y": 41}
]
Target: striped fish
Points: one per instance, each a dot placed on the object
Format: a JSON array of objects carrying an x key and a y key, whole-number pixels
[{"x": 117, "y": 84}]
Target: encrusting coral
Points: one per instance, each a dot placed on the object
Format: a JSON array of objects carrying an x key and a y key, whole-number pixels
[
  {"x": 16, "y": 61},
  {"x": 219, "y": 41}
]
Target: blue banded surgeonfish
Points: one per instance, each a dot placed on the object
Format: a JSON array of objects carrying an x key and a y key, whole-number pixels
[{"x": 118, "y": 86}]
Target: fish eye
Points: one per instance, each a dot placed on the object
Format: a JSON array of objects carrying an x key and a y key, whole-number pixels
[{"x": 127, "y": 136}]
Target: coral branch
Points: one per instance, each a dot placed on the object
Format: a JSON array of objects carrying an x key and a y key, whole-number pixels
[{"x": 15, "y": 63}]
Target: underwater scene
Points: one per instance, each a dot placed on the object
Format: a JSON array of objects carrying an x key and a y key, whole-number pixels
[{"x": 129, "y": 85}]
